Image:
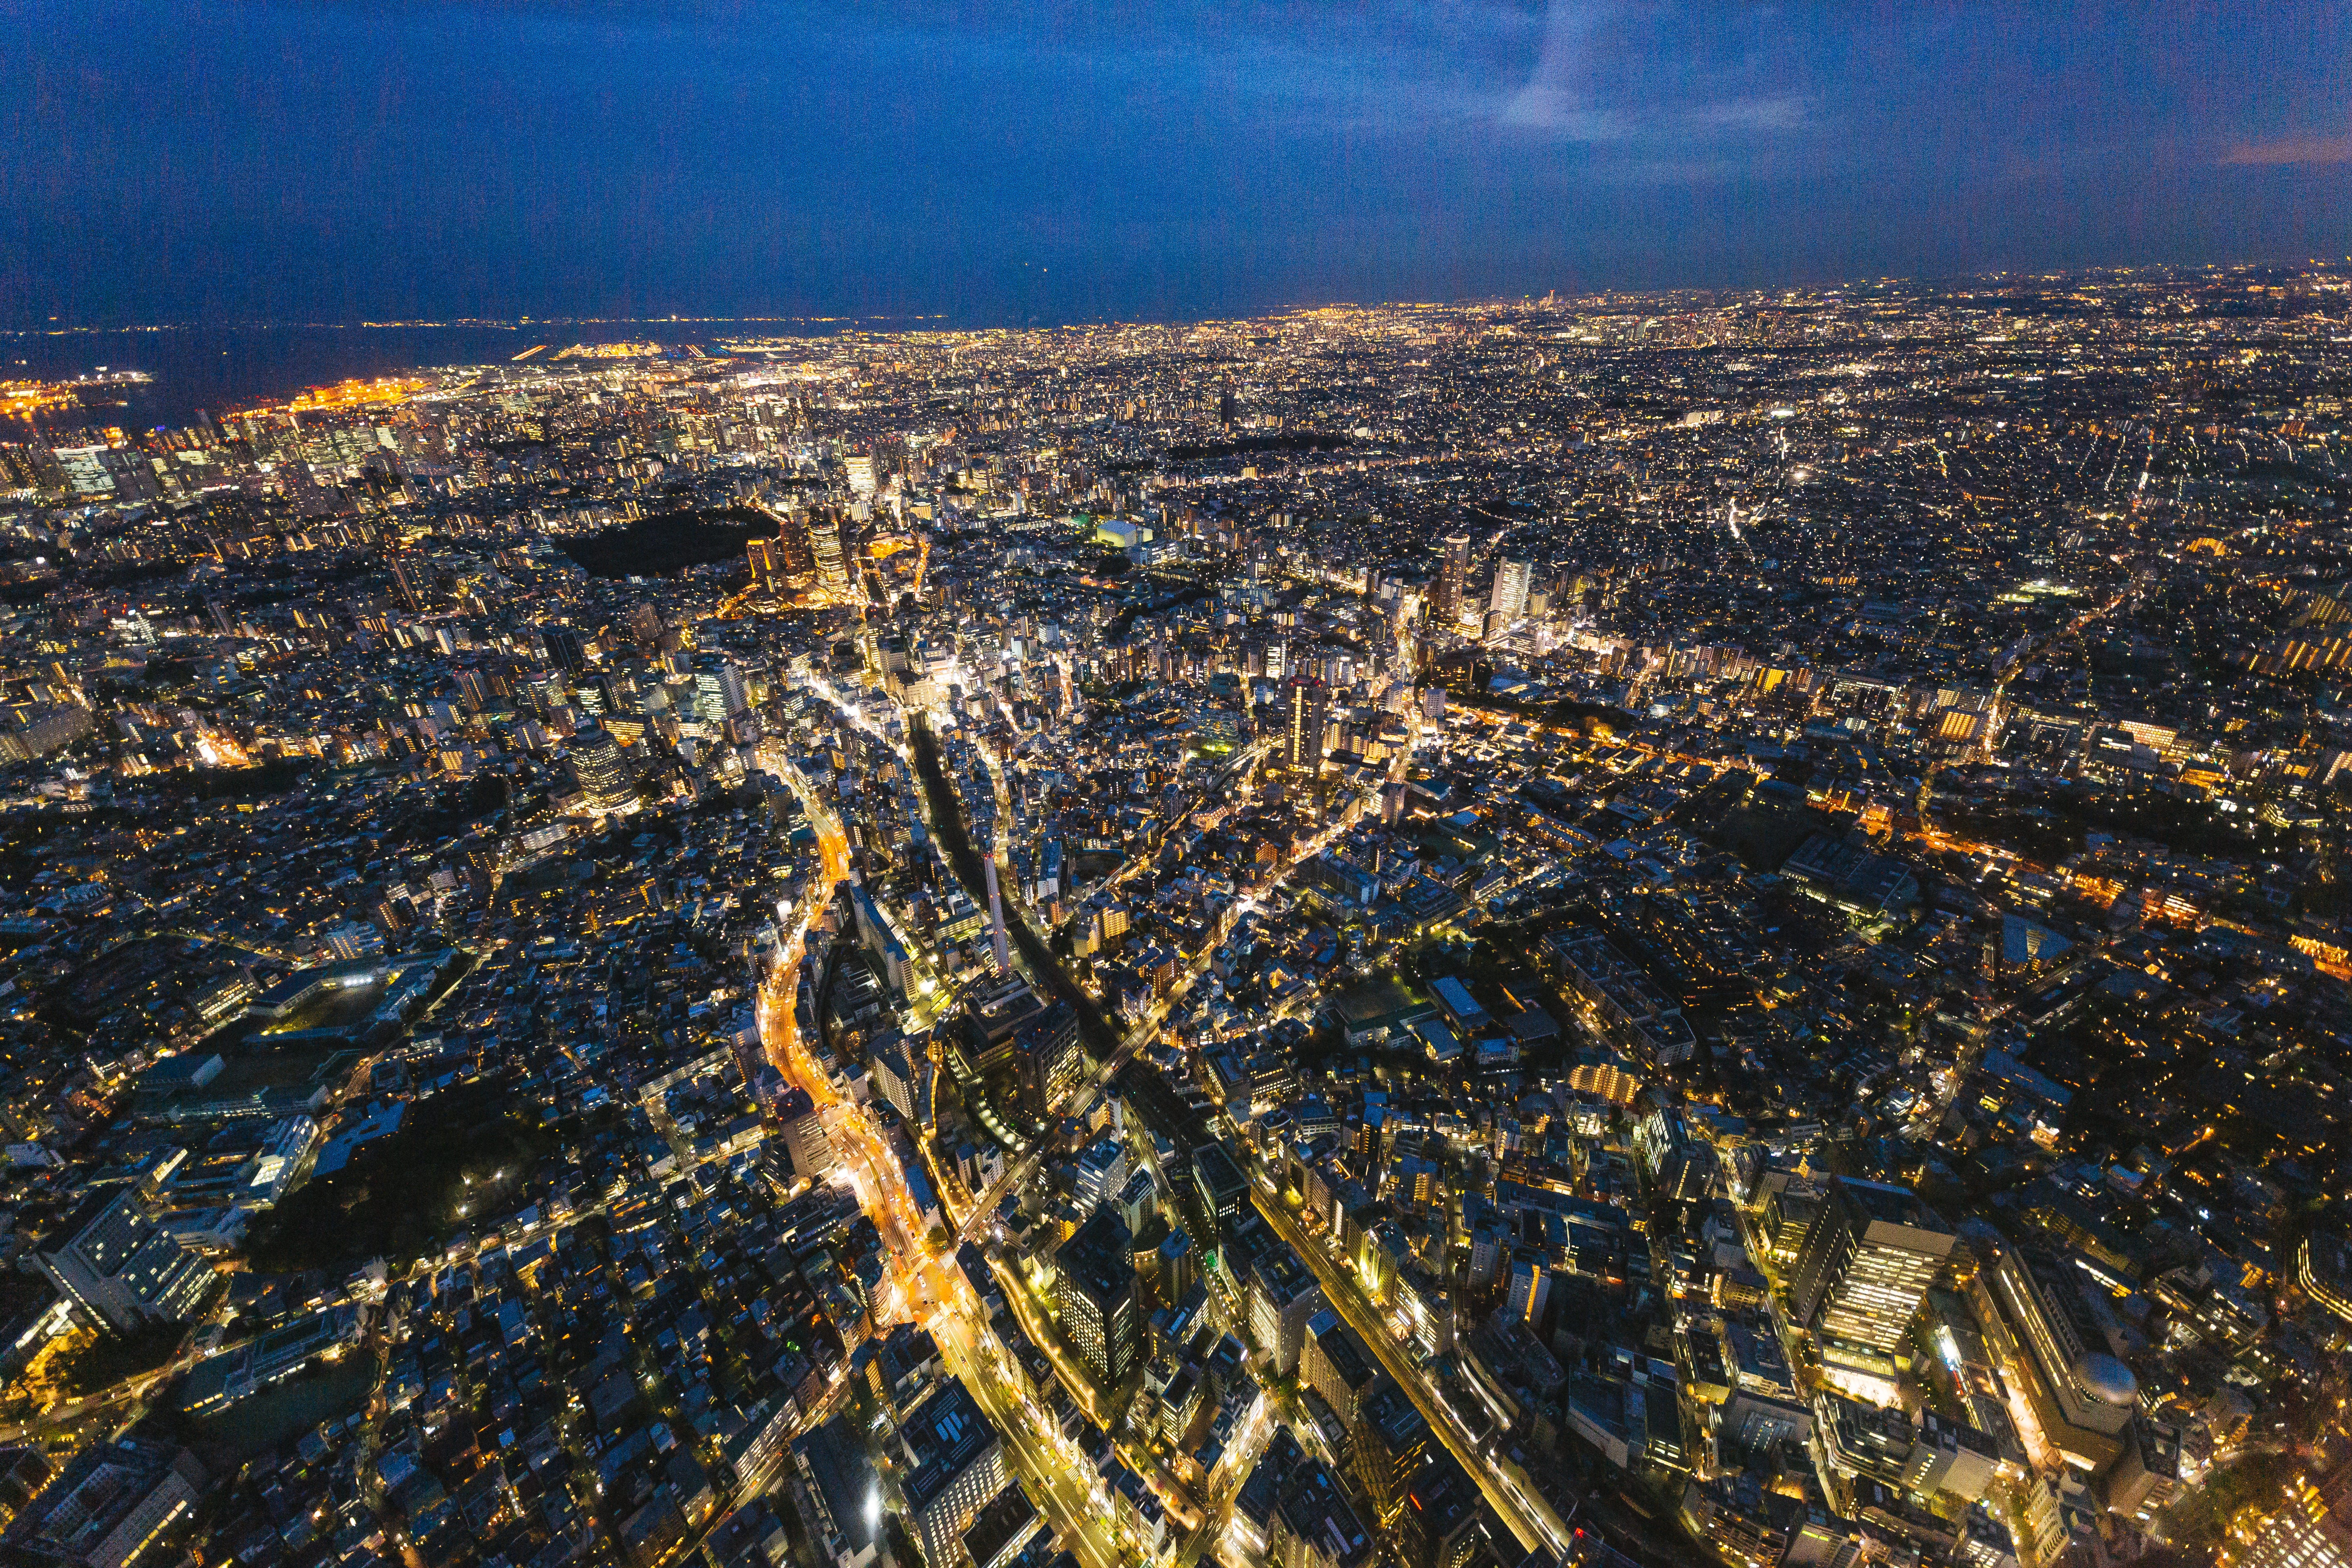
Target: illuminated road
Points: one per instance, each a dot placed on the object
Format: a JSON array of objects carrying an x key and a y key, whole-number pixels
[
  {"x": 1531, "y": 1518},
  {"x": 922, "y": 1286}
]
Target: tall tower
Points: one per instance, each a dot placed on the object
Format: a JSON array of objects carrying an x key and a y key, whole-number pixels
[
  {"x": 1509, "y": 598},
  {"x": 1307, "y": 712},
  {"x": 1867, "y": 1260},
  {"x": 404, "y": 573},
  {"x": 824, "y": 551},
  {"x": 996, "y": 920},
  {"x": 601, "y": 769},
  {"x": 1454, "y": 577}
]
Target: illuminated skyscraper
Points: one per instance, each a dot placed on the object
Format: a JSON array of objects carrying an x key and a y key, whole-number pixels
[
  {"x": 1868, "y": 1258},
  {"x": 2042, "y": 1335},
  {"x": 600, "y": 771},
  {"x": 1095, "y": 1293},
  {"x": 958, "y": 1465},
  {"x": 1509, "y": 597},
  {"x": 1454, "y": 577},
  {"x": 825, "y": 549},
  {"x": 2312, "y": 1530},
  {"x": 1306, "y": 713},
  {"x": 1391, "y": 1442},
  {"x": 410, "y": 579}
]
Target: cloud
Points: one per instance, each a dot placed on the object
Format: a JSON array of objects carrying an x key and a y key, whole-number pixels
[
  {"x": 1557, "y": 96},
  {"x": 2280, "y": 151},
  {"x": 1786, "y": 111},
  {"x": 1583, "y": 46}
]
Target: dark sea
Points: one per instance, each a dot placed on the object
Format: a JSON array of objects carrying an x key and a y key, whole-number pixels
[{"x": 221, "y": 368}]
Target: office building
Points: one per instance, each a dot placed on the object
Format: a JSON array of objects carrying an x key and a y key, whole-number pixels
[
  {"x": 1531, "y": 1286},
  {"x": 1508, "y": 597},
  {"x": 1095, "y": 1291},
  {"x": 839, "y": 1494},
  {"x": 123, "y": 1271},
  {"x": 1283, "y": 1298},
  {"x": 1005, "y": 1526},
  {"x": 1453, "y": 578},
  {"x": 1334, "y": 1363},
  {"x": 1306, "y": 715},
  {"x": 1313, "y": 1525},
  {"x": 802, "y": 1126},
  {"x": 1437, "y": 1527},
  {"x": 1138, "y": 1201},
  {"x": 2039, "y": 1332},
  {"x": 1047, "y": 1059},
  {"x": 600, "y": 771},
  {"x": 1177, "y": 1267},
  {"x": 955, "y": 1465},
  {"x": 1218, "y": 1182},
  {"x": 1390, "y": 1441},
  {"x": 1102, "y": 1173},
  {"x": 895, "y": 1076},
  {"x": 1870, "y": 1254},
  {"x": 2311, "y": 1528},
  {"x": 825, "y": 552},
  {"x": 106, "y": 1507}
]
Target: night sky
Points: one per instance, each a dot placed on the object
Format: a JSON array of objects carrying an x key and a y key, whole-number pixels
[{"x": 1001, "y": 162}]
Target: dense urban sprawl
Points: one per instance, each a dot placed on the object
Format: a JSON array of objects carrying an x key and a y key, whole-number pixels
[{"x": 1663, "y": 928}]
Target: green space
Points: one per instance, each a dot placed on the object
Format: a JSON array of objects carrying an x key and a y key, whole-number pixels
[
  {"x": 461, "y": 1154},
  {"x": 669, "y": 541}
]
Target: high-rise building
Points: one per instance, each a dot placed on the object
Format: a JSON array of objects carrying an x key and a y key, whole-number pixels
[
  {"x": 565, "y": 650},
  {"x": 805, "y": 1135},
  {"x": 1047, "y": 1059},
  {"x": 826, "y": 554},
  {"x": 600, "y": 771},
  {"x": 1283, "y": 1298},
  {"x": 1531, "y": 1286},
  {"x": 1306, "y": 713},
  {"x": 895, "y": 1076},
  {"x": 1095, "y": 1291},
  {"x": 1102, "y": 1173},
  {"x": 860, "y": 468},
  {"x": 955, "y": 1465},
  {"x": 1313, "y": 1525},
  {"x": 790, "y": 551},
  {"x": 106, "y": 1507},
  {"x": 2312, "y": 1529},
  {"x": 1138, "y": 1200},
  {"x": 1868, "y": 1258},
  {"x": 1454, "y": 578},
  {"x": 2038, "y": 1329},
  {"x": 734, "y": 691},
  {"x": 1179, "y": 1267},
  {"x": 1508, "y": 597},
  {"x": 1334, "y": 1363},
  {"x": 110, "y": 1260},
  {"x": 411, "y": 579},
  {"x": 1387, "y": 1443},
  {"x": 1438, "y": 1525},
  {"x": 1222, "y": 1188}
]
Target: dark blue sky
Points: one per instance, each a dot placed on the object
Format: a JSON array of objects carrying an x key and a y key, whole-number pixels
[{"x": 328, "y": 161}]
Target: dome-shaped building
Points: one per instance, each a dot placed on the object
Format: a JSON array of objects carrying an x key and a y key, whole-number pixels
[{"x": 2107, "y": 1380}]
